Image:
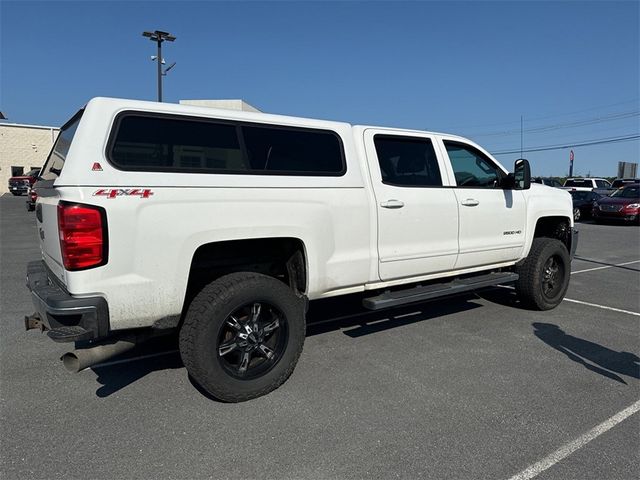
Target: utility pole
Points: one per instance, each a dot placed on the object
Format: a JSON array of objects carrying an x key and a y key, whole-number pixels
[
  {"x": 159, "y": 37},
  {"x": 521, "y": 136}
]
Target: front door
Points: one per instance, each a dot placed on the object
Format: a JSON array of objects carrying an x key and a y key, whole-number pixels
[
  {"x": 417, "y": 216},
  {"x": 492, "y": 219}
]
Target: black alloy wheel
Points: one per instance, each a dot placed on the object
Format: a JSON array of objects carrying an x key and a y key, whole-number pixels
[
  {"x": 552, "y": 277},
  {"x": 252, "y": 340}
]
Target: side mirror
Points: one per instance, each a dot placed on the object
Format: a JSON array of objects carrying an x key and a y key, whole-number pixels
[{"x": 522, "y": 174}]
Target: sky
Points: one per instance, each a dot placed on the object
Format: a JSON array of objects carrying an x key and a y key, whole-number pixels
[{"x": 570, "y": 70}]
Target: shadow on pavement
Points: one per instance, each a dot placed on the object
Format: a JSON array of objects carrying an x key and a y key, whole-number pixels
[
  {"x": 591, "y": 355},
  {"x": 131, "y": 367},
  {"x": 356, "y": 321},
  {"x": 353, "y": 319},
  {"x": 506, "y": 297}
]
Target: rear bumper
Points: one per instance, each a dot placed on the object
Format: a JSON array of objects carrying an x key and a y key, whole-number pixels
[
  {"x": 18, "y": 188},
  {"x": 67, "y": 318}
]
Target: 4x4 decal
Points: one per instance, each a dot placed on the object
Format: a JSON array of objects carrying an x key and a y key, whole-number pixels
[{"x": 120, "y": 192}]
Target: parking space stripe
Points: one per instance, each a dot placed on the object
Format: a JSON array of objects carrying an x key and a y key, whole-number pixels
[
  {"x": 567, "y": 449},
  {"x": 604, "y": 307},
  {"x": 607, "y": 266}
]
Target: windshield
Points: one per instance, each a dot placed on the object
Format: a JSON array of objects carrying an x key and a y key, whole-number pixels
[
  {"x": 58, "y": 155},
  {"x": 627, "y": 192},
  {"x": 580, "y": 195}
]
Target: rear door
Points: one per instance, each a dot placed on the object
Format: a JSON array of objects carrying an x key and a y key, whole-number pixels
[
  {"x": 417, "y": 213},
  {"x": 492, "y": 219}
]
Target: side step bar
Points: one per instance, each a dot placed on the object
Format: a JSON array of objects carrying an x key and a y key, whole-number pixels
[{"x": 429, "y": 292}]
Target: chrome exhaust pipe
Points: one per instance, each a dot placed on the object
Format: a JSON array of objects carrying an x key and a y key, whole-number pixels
[{"x": 82, "y": 358}]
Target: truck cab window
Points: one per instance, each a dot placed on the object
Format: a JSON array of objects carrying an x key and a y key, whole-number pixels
[
  {"x": 407, "y": 161},
  {"x": 471, "y": 167}
]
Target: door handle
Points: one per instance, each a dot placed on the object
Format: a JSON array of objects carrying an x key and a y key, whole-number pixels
[
  {"x": 470, "y": 202},
  {"x": 392, "y": 204}
]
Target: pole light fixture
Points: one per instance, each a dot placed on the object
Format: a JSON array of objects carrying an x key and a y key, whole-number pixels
[{"x": 159, "y": 36}]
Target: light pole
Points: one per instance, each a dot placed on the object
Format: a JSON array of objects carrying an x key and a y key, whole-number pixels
[{"x": 159, "y": 37}]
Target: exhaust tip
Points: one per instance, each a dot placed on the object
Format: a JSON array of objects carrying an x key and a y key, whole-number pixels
[{"x": 71, "y": 362}]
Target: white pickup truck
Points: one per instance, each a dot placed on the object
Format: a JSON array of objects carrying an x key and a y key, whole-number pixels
[
  {"x": 589, "y": 184},
  {"x": 223, "y": 224}
]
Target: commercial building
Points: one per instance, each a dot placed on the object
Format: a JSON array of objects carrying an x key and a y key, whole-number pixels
[{"x": 22, "y": 148}]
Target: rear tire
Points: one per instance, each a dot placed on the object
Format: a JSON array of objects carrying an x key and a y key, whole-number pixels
[
  {"x": 242, "y": 336},
  {"x": 544, "y": 274}
]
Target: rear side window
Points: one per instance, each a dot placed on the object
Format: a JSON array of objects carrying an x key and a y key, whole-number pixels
[
  {"x": 285, "y": 150},
  {"x": 602, "y": 184},
  {"x": 55, "y": 161},
  {"x": 159, "y": 143},
  {"x": 155, "y": 143},
  {"x": 407, "y": 161}
]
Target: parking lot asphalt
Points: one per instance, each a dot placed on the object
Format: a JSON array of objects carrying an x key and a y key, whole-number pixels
[{"x": 470, "y": 387}]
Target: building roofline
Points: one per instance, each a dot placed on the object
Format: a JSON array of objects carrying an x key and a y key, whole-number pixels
[{"x": 26, "y": 125}]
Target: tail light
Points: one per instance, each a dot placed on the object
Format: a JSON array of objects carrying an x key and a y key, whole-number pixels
[{"x": 83, "y": 235}]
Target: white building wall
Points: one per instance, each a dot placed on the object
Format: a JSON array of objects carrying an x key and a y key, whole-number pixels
[
  {"x": 226, "y": 104},
  {"x": 24, "y": 146}
]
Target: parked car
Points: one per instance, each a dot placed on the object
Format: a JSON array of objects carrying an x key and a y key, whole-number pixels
[
  {"x": 549, "y": 181},
  {"x": 583, "y": 203},
  {"x": 32, "y": 196},
  {"x": 22, "y": 183},
  {"x": 623, "y": 204},
  {"x": 599, "y": 185},
  {"x": 621, "y": 182}
]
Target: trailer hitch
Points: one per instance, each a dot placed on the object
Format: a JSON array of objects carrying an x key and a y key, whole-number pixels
[{"x": 34, "y": 322}]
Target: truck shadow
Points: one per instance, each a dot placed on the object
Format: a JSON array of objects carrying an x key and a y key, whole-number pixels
[
  {"x": 355, "y": 321},
  {"x": 592, "y": 356},
  {"x": 345, "y": 313},
  {"x": 155, "y": 355}
]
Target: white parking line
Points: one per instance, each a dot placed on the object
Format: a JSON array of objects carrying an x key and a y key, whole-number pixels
[
  {"x": 602, "y": 268},
  {"x": 604, "y": 307},
  {"x": 581, "y": 441}
]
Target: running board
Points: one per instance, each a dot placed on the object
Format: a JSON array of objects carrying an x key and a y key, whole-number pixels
[{"x": 429, "y": 292}]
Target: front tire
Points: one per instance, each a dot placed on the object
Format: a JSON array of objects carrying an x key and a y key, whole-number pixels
[
  {"x": 544, "y": 274},
  {"x": 576, "y": 214},
  {"x": 242, "y": 336}
]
